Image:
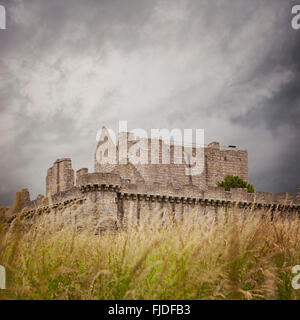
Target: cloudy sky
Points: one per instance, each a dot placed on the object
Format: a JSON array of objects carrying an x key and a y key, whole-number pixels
[{"x": 69, "y": 66}]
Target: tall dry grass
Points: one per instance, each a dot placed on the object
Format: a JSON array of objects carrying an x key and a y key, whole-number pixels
[{"x": 239, "y": 256}]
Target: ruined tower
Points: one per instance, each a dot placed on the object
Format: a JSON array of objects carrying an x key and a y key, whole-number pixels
[{"x": 60, "y": 177}]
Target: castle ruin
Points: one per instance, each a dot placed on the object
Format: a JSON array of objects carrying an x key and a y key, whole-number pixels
[
  {"x": 218, "y": 162},
  {"x": 121, "y": 189}
]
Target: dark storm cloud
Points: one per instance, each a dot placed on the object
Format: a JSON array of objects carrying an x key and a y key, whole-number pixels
[
  {"x": 281, "y": 110},
  {"x": 284, "y": 106},
  {"x": 67, "y": 67}
]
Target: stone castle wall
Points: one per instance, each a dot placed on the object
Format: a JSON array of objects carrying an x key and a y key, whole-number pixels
[
  {"x": 60, "y": 177},
  {"x": 217, "y": 162},
  {"x": 134, "y": 191},
  {"x": 122, "y": 202}
]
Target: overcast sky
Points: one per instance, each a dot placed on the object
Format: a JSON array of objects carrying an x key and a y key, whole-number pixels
[{"x": 67, "y": 67}]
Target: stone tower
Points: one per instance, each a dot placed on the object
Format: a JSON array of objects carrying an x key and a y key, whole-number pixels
[{"x": 60, "y": 177}]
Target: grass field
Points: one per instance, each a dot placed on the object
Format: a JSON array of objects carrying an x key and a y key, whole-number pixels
[{"x": 236, "y": 257}]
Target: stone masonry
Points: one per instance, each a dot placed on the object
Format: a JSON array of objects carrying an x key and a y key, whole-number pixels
[
  {"x": 122, "y": 190},
  {"x": 218, "y": 162},
  {"x": 60, "y": 177}
]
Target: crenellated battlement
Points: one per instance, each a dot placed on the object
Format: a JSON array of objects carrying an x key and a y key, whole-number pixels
[
  {"x": 92, "y": 181},
  {"x": 219, "y": 194},
  {"x": 121, "y": 202},
  {"x": 124, "y": 189}
]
